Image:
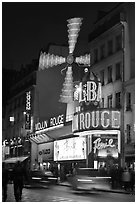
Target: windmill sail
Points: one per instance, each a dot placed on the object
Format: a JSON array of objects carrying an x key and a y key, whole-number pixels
[{"x": 49, "y": 60}]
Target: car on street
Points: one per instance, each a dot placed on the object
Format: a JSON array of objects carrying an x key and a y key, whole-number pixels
[
  {"x": 41, "y": 177},
  {"x": 89, "y": 179}
]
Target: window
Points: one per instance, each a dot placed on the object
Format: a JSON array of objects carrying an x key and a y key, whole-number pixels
[
  {"x": 95, "y": 55},
  {"x": 128, "y": 133},
  {"x": 110, "y": 74},
  {"x": 110, "y": 47},
  {"x": 118, "y": 42},
  {"x": 102, "y": 77},
  {"x": 118, "y": 104},
  {"x": 102, "y": 51},
  {"x": 102, "y": 103},
  {"x": 128, "y": 101},
  {"x": 110, "y": 101},
  {"x": 118, "y": 70}
]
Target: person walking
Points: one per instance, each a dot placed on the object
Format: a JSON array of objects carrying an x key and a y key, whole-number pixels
[
  {"x": 126, "y": 177},
  {"x": 5, "y": 179},
  {"x": 19, "y": 174}
]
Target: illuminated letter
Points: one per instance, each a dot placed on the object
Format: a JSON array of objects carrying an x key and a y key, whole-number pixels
[
  {"x": 51, "y": 122},
  {"x": 91, "y": 94},
  {"x": 75, "y": 123},
  {"x": 95, "y": 119},
  {"x": 81, "y": 121},
  {"x": 99, "y": 92},
  {"x": 87, "y": 120},
  {"x": 115, "y": 119},
  {"x": 103, "y": 119},
  {"x": 81, "y": 93}
]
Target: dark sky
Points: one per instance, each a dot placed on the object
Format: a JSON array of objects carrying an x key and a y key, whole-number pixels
[{"x": 29, "y": 27}]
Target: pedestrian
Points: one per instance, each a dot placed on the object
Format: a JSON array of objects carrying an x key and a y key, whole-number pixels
[
  {"x": 112, "y": 173},
  {"x": 5, "y": 179},
  {"x": 132, "y": 181},
  {"x": 19, "y": 174},
  {"x": 126, "y": 178}
]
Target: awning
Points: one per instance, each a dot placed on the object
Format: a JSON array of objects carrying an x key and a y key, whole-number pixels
[{"x": 15, "y": 159}]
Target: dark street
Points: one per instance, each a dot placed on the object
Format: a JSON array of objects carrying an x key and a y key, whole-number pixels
[{"x": 64, "y": 194}]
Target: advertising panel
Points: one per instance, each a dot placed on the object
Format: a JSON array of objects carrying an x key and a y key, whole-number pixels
[
  {"x": 70, "y": 149},
  {"x": 45, "y": 151}
]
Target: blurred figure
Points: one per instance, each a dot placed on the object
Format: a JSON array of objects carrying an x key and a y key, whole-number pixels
[
  {"x": 103, "y": 170},
  {"x": 19, "y": 174},
  {"x": 5, "y": 179},
  {"x": 112, "y": 173},
  {"x": 132, "y": 181},
  {"x": 126, "y": 178}
]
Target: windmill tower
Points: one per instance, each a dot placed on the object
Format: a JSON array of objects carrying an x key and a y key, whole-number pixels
[{"x": 49, "y": 60}]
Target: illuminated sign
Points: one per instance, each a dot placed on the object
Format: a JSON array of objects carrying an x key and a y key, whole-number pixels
[
  {"x": 28, "y": 100},
  {"x": 89, "y": 91},
  {"x": 27, "y": 121},
  {"x": 98, "y": 144},
  {"x": 45, "y": 151},
  {"x": 100, "y": 119},
  {"x": 104, "y": 145},
  {"x": 52, "y": 122},
  {"x": 28, "y": 111},
  {"x": 70, "y": 149}
]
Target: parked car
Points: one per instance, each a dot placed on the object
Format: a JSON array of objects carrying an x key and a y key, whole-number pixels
[
  {"x": 41, "y": 177},
  {"x": 89, "y": 179}
]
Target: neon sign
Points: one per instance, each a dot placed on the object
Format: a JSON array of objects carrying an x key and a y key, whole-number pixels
[
  {"x": 104, "y": 145},
  {"x": 100, "y": 119},
  {"x": 28, "y": 101},
  {"x": 98, "y": 144},
  {"x": 54, "y": 121},
  {"x": 28, "y": 111}
]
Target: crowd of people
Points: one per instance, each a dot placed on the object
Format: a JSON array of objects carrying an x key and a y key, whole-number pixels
[{"x": 120, "y": 177}]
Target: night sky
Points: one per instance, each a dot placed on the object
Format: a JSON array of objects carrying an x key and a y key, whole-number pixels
[{"x": 27, "y": 27}]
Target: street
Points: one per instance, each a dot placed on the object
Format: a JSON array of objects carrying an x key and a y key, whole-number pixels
[{"x": 64, "y": 194}]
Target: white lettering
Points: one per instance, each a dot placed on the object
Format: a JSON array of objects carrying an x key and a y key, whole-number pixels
[
  {"x": 41, "y": 126},
  {"x": 28, "y": 101},
  {"x": 87, "y": 120},
  {"x": 103, "y": 119},
  {"x": 82, "y": 126},
  {"x": 57, "y": 121},
  {"x": 91, "y": 91},
  {"x": 82, "y": 94},
  {"x": 99, "y": 92},
  {"x": 95, "y": 119},
  {"x": 101, "y": 145},
  {"x": 115, "y": 119}
]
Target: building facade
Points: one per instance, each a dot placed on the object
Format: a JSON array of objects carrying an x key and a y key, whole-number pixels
[
  {"x": 112, "y": 41},
  {"x": 16, "y": 128}
]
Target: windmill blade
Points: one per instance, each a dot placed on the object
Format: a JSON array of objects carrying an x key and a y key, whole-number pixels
[
  {"x": 50, "y": 60},
  {"x": 74, "y": 28},
  {"x": 66, "y": 95},
  {"x": 83, "y": 60}
]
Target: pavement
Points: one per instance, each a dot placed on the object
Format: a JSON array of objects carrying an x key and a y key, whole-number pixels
[{"x": 118, "y": 190}]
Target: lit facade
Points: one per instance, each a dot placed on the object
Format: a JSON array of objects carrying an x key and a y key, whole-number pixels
[
  {"x": 16, "y": 131},
  {"x": 112, "y": 42}
]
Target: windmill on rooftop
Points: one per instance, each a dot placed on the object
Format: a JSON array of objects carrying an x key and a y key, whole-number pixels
[{"x": 49, "y": 60}]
